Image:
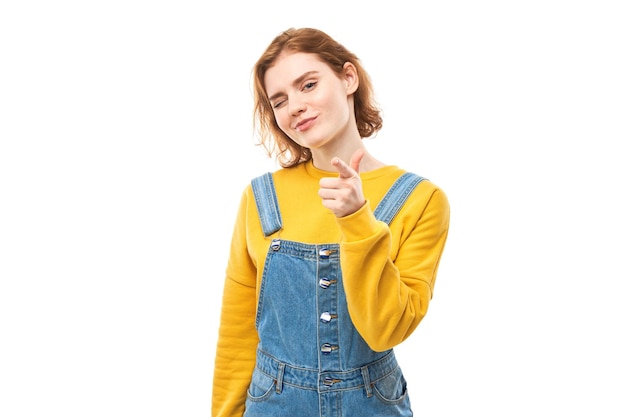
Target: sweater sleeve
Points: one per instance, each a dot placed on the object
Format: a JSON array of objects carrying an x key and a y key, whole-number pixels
[
  {"x": 237, "y": 338},
  {"x": 389, "y": 273}
]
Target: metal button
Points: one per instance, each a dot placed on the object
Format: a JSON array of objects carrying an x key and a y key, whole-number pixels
[
  {"x": 324, "y": 253},
  {"x": 328, "y": 381},
  {"x": 327, "y": 348},
  {"x": 325, "y": 283},
  {"x": 275, "y": 245},
  {"x": 326, "y": 317}
]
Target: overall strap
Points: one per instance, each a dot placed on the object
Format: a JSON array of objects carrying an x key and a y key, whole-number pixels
[
  {"x": 267, "y": 203},
  {"x": 396, "y": 196}
]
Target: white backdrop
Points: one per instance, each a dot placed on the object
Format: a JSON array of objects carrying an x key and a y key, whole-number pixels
[{"x": 125, "y": 142}]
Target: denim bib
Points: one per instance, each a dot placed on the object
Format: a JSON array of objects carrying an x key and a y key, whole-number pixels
[{"x": 311, "y": 360}]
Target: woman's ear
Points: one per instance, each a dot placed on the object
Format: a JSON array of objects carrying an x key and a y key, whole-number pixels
[{"x": 351, "y": 77}]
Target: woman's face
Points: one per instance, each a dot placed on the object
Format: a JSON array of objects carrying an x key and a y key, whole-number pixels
[{"x": 312, "y": 104}]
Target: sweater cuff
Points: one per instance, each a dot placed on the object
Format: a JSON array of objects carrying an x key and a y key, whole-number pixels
[{"x": 358, "y": 225}]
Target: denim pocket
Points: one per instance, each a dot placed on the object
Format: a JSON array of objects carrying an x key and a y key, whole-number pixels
[
  {"x": 391, "y": 388},
  {"x": 261, "y": 386}
]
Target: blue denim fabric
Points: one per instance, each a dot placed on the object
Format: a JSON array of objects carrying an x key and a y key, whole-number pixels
[{"x": 311, "y": 360}]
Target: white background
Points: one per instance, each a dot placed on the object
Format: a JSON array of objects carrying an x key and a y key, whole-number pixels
[{"x": 125, "y": 142}]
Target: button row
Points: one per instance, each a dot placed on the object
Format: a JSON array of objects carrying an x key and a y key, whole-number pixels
[{"x": 323, "y": 253}]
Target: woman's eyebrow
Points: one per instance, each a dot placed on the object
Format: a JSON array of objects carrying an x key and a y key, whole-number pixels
[{"x": 295, "y": 83}]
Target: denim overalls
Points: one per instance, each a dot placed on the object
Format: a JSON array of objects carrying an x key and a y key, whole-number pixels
[{"x": 311, "y": 361}]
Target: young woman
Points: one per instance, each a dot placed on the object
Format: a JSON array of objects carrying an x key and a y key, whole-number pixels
[{"x": 333, "y": 257}]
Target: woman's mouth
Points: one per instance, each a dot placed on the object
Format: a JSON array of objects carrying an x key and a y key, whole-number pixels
[{"x": 305, "y": 124}]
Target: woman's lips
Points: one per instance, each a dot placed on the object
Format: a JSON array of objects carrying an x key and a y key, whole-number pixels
[{"x": 305, "y": 124}]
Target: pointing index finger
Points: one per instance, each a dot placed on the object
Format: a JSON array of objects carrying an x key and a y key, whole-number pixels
[{"x": 344, "y": 170}]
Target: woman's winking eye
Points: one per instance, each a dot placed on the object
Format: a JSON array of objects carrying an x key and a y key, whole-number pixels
[
  {"x": 278, "y": 103},
  {"x": 309, "y": 85}
]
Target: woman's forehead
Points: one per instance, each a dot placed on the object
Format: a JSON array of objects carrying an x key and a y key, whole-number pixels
[{"x": 289, "y": 66}]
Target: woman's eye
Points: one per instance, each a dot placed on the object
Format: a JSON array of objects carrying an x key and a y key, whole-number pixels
[
  {"x": 309, "y": 85},
  {"x": 278, "y": 104}
]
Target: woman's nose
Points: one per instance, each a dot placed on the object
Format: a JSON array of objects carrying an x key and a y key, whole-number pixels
[{"x": 296, "y": 107}]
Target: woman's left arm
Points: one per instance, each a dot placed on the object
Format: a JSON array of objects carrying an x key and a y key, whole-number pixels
[{"x": 389, "y": 271}]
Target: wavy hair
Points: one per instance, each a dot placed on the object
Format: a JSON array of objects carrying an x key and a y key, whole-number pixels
[{"x": 308, "y": 40}]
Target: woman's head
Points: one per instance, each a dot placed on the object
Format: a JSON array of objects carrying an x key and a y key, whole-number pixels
[{"x": 332, "y": 53}]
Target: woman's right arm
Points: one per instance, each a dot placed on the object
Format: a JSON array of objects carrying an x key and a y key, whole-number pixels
[{"x": 237, "y": 338}]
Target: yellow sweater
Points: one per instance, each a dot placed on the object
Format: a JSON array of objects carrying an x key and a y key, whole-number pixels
[{"x": 388, "y": 271}]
